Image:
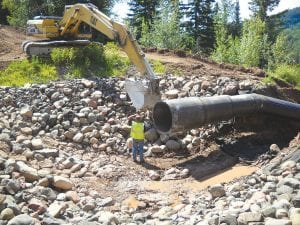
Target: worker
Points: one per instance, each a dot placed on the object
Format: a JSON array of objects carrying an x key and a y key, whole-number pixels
[{"x": 137, "y": 134}]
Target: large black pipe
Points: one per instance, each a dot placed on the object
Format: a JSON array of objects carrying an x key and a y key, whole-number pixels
[{"x": 193, "y": 112}]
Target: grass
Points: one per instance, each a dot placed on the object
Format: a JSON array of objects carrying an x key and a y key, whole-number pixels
[
  {"x": 158, "y": 67},
  {"x": 22, "y": 72},
  {"x": 92, "y": 60},
  {"x": 117, "y": 62},
  {"x": 287, "y": 73}
]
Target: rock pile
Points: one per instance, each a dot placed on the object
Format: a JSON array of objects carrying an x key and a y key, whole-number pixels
[{"x": 56, "y": 137}]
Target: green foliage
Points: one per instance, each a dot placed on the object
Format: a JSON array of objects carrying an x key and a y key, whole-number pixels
[
  {"x": 282, "y": 52},
  {"x": 81, "y": 62},
  {"x": 288, "y": 73},
  {"x": 92, "y": 60},
  {"x": 142, "y": 13},
  {"x": 22, "y": 10},
  {"x": 261, "y": 7},
  {"x": 158, "y": 67},
  {"x": 199, "y": 24},
  {"x": 254, "y": 43},
  {"x": 18, "y": 12},
  {"x": 227, "y": 47},
  {"x": 116, "y": 62},
  {"x": 19, "y": 73},
  {"x": 165, "y": 32},
  {"x": 293, "y": 36}
]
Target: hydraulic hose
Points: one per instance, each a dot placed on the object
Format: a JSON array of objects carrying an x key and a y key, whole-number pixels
[{"x": 193, "y": 112}]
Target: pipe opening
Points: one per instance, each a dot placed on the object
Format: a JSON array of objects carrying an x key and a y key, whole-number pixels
[{"x": 162, "y": 117}]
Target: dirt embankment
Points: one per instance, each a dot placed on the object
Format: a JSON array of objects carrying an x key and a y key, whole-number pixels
[{"x": 10, "y": 45}]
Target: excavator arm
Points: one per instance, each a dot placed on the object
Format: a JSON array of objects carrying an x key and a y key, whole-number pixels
[{"x": 144, "y": 93}]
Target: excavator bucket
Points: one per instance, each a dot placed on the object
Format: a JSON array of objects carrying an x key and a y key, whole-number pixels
[{"x": 143, "y": 93}]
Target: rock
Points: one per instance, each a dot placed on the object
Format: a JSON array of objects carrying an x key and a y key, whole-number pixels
[
  {"x": 37, "y": 205},
  {"x": 291, "y": 182},
  {"x": 288, "y": 165},
  {"x": 151, "y": 135},
  {"x": 88, "y": 83},
  {"x": 7, "y": 214},
  {"x": 154, "y": 175},
  {"x": 173, "y": 145},
  {"x": 129, "y": 143},
  {"x": 73, "y": 196},
  {"x": 282, "y": 189},
  {"x": 296, "y": 201},
  {"x": 107, "y": 218},
  {"x": 230, "y": 89},
  {"x": 28, "y": 172},
  {"x": 89, "y": 206},
  {"x": 26, "y": 130},
  {"x": 217, "y": 190},
  {"x": 56, "y": 209},
  {"x": 274, "y": 148},
  {"x": 269, "y": 211},
  {"x": 78, "y": 138},
  {"x": 164, "y": 138},
  {"x": 245, "y": 85},
  {"x": 5, "y": 147},
  {"x": 295, "y": 216},
  {"x": 205, "y": 85},
  {"x": 37, "y": 143},
  {"x": 156, "y": 149},
  {"x": 26, "y": 111},
  {"x": 48, "y": 152},
  {"x": 22, "y": 219},
  {"x": 62, "y": 183},
  {"x": 271, "y": 221},
  {"x": 12, "y": 186},
  {"x": 171, "y": 94},
  {"x": 49, "y": 220},
  {"x": 281, "y": 214},
  {"x": 246, "y": 217},
  {"x": 229, "y": 219}
]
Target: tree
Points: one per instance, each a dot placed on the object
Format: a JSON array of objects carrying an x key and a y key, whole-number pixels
[
  {"x": 199, "y": 23},
  {"x": 226, "y": 45},
  {"x": 165, "y": 31},
  {"x": 255, "y": 48},
  {"x": 261, "y": 7},
  {"x": 141, "y": 11},
  {"x": 282, "y": 51},
  {"x": 22, "y": 10},
  {"x": 236, "y": 24},
  {"x": 3, "y": 14}
]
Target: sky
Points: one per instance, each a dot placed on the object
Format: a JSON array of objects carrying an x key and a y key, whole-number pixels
[{"x": 121, "y": 9}]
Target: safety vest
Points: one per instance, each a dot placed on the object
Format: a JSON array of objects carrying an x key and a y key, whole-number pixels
[{"x": 137, "y": 131}]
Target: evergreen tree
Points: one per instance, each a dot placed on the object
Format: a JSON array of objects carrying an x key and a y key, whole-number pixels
[
  {"x": 236, "y": 24},
  {"x": 21, "y": 11},
  {"x": 199, "y": 23},
  {"x": 165, "y": 31},
  {"x": 3, "y": 14},
  {"x": 142, "y": 11},
  {"x": 261, "y": 7}
]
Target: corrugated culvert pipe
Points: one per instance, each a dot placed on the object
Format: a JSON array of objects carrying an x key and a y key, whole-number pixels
[{"x": 193, "y": 112}]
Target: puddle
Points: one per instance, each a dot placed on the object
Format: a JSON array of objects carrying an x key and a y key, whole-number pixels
[{"x": 224, "y": 176}]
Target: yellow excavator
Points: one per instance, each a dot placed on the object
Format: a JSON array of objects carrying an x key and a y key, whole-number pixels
[{"x": 74, "y": 30}]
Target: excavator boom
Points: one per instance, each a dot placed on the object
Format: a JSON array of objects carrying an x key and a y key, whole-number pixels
[{"x": 143, "y": 91}]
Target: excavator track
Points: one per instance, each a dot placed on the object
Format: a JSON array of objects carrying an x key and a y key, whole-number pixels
[{"x": 44, "y": 48}]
